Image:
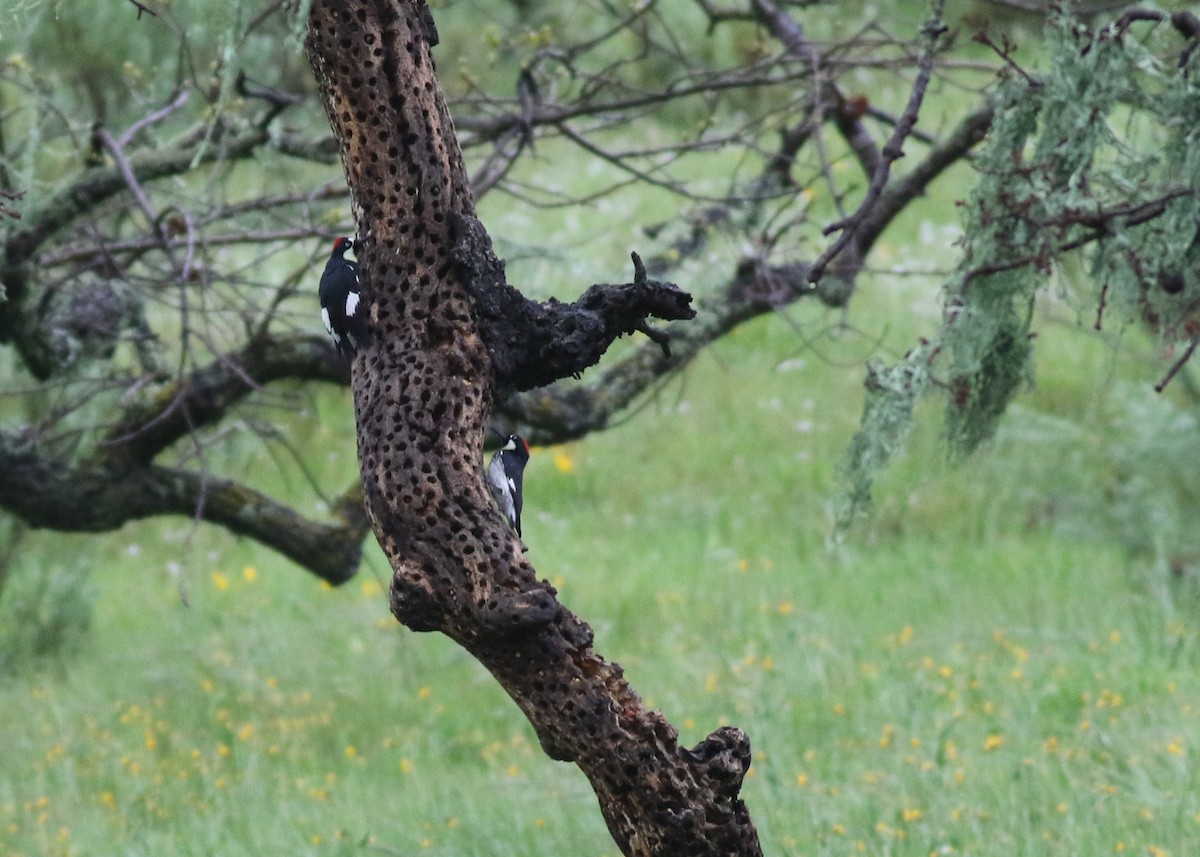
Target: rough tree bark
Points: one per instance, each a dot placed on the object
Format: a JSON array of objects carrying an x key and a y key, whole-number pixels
[{"x": 446, "y": 334}]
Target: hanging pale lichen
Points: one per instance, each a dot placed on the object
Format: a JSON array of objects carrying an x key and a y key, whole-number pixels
[
  {"x": 892, "y": 393},
  {"x": 1096, "y": 156}
]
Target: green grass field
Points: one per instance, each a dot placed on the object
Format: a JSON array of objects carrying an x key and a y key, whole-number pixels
[{"x": 992, "y": 665}]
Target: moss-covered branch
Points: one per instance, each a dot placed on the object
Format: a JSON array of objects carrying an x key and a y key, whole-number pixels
[
  {"x": 163, "y": 413},
  {"x": 49, "y": 492},
  {"x": 1053, "y": 181}
]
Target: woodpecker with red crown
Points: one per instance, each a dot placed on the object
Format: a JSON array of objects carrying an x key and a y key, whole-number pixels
[
  {"x": 341, "y": 309},
  {"x": 505, "y": 476}
]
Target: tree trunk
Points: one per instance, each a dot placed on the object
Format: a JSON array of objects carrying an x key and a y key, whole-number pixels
[{"x": 445, "y": 332}]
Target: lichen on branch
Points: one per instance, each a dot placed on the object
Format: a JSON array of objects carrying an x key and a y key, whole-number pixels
[{"x": 1054, "y": 181}]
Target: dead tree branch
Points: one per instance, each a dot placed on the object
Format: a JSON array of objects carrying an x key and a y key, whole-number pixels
[{"x": 424, "y": 389}]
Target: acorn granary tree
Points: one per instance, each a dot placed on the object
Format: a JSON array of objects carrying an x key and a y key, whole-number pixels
[{"x": 446, "y": 331}]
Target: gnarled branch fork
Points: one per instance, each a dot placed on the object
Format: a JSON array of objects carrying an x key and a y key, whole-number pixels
[{"x": 535, "y": 344}]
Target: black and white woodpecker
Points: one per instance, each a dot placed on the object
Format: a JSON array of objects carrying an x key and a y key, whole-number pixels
[
  {"x": 505, "y": 475},
  {"x": 340, "y": 307}
]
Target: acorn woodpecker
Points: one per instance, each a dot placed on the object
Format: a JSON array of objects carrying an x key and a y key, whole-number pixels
[
  {"x": 340, "y": 308},
  {"x": 505, "y": 475}
]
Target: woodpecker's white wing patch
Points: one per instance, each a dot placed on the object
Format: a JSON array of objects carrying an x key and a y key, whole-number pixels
[
  {"x": 351, "y": 304},
  {"x": 325, "y": 318}
]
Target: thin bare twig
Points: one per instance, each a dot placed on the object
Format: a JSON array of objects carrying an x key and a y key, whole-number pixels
[
  {"x": 1040, "y": 6},
  {"x": 1176, "y": 366},
  {"x": 73, "y": 254},
  {"x": 117, "y": 149},
  {"x": 278, "y": 99},
  {"x": 893, "y": 150},
  {"x": 1004, "y": 50},
  {"x": 497, "y": 164},
  {"x": 142, "y": 7},
  {"x": 149, "y": 119}
]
